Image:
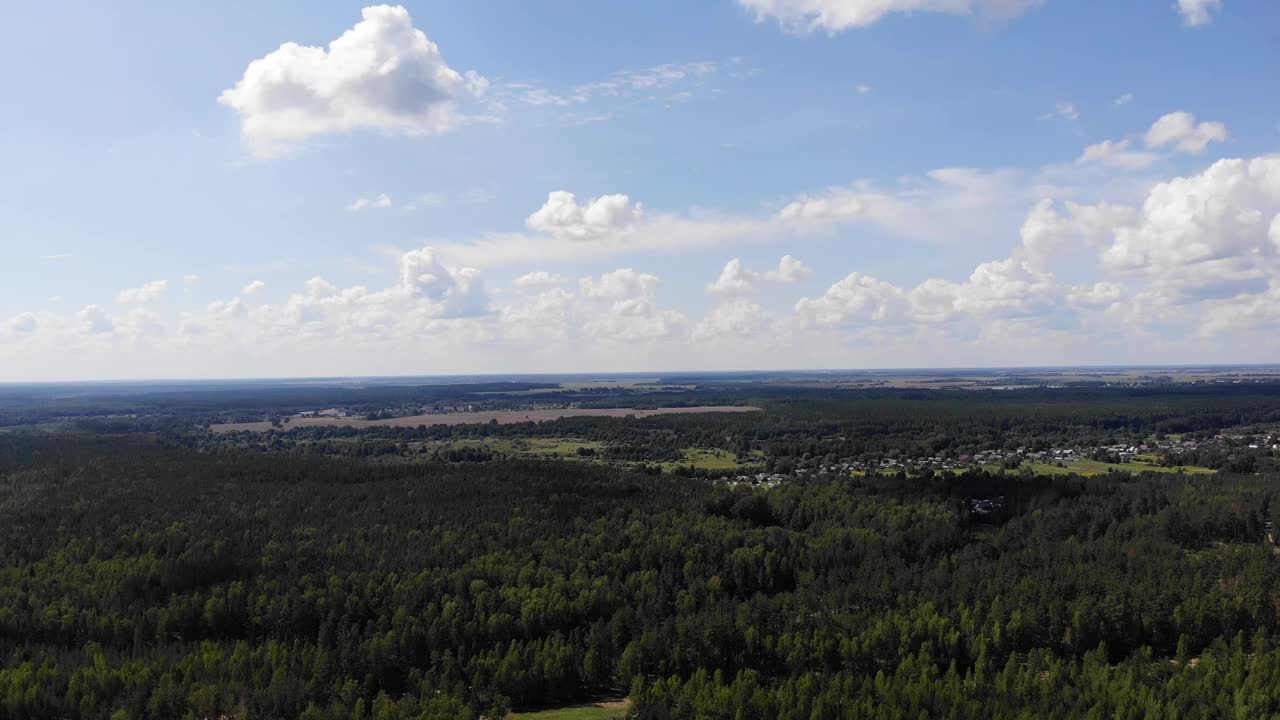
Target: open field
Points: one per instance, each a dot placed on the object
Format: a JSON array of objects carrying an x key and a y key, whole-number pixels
[
  {"x": 559, "y": 448},
  {"x": 503, "y": 417},
  {"x": 1095, "y": 467},
  {"x": 555, "y": 447},
  {"x": 711, "y": 459},
  {"x": 603, "y": 710}
]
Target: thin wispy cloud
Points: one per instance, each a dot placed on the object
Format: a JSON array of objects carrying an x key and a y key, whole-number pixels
[
  {"x": 375, "y": 202},
  {"x": 1063, "y": 110}
]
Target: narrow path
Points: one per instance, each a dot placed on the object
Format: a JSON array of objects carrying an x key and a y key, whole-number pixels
[{"x": 1268, "y": 531}]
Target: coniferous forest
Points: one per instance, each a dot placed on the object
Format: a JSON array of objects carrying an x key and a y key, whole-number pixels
[{"x": 152, "y": 569}]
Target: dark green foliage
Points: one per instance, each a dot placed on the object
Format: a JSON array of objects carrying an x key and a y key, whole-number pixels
[{"x": 177, "y": 575}]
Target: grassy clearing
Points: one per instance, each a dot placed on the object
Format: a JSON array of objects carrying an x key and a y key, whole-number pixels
[
  {"x": 1095, "y": 467},
  {"x": 539, "y": 447},
  {"x": 505, "y": 446},
  {"x": 1047, "y": 469},
  {"x": 559, "y": 447},
  {"x": 711, "y": 459},
  {"x": 604, "y": 710}
]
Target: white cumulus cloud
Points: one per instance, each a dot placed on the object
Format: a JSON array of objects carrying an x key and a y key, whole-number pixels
[
  {"x": 628, "y": 308},
  {"x": 562, "y": 216},
  {"x": 855, "y": 300},
  {"x": 383, "y": 73},
  {"x": 737, "y": 279},
  {"x": 1047, "y": 232},
  {"x": 460, "y": 290},
  {"x": 1179, "y": 129},
  {"x": 1213, "y": 233}
]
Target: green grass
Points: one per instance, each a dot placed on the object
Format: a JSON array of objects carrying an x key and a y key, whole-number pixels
[
  {"x": 1096, "y": 467},
  {"x": 498, "y": 445},
  {"x": 705, "y": 459},
  {"x": 540, "y": 447},
  {"x": 601, "y": 711},
  {"x": 559, "y": 447},
  {"x": 1047, "y": 469}
]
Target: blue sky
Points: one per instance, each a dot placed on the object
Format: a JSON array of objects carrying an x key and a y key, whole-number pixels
[{"x": 214, "y": 190}]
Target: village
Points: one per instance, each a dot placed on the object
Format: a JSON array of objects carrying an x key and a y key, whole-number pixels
[{"x": 1134, "y": 456}]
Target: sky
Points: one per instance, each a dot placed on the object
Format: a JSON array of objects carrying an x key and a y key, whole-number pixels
[{"x": 285, "y": 189}]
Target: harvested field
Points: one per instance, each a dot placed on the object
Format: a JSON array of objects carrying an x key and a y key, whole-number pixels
[{"x": 504, "y": 417}]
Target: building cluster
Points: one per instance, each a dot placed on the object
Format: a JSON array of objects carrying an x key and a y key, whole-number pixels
[
  {"x": 328, "y": 412},
  {"x": 1123, "y": 452}
]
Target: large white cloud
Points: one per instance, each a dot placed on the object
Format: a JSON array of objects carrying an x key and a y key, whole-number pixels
[
  {"x": 460, "y": 290},
  {"x": 854, "y": 300},
  {"x": 627, "y": 308},
  {"x": 1008, "y": 287},
  {"x": 1047, "y": 232},
  {"x": 837, "y": 15},
  {"x": 562, "y": 216},
  {"x": 383, "y": 73},
  {"x": 1210, "y": 233},
  {"x": 737, "y": 279}
]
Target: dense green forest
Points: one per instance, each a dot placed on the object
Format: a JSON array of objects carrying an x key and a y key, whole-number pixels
[
  {"x": 153, "y": 568},
  {"x": 155, "y": 576}
]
